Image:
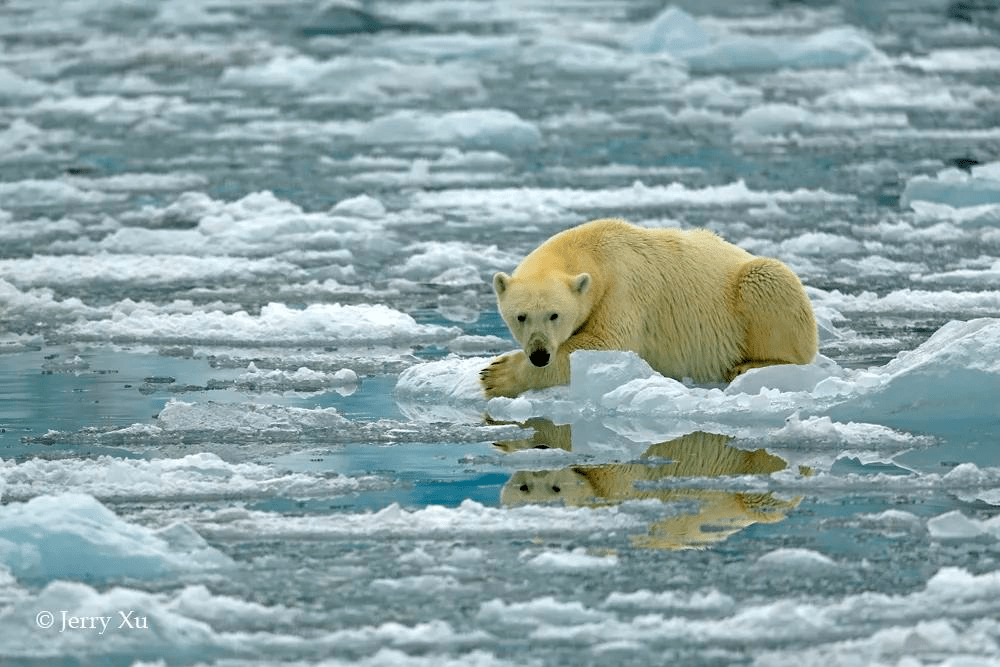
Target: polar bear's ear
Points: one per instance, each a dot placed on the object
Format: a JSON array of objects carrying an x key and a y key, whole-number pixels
[
  {"x": 500, "y": 280},
  {"x": 581, "y": 283}
]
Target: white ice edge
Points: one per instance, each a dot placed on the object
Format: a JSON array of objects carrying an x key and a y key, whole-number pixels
[{"x": 955, "y": 372}]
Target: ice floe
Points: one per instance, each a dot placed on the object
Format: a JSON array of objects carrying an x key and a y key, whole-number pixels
[
  {"x": 277, "y": 323},
  {"x": 496, "y": 129},
  {"x": 772, "y": 119},
  {"x": 577, "y": 559},
  {"x": 344, "y": 381},
  {"x": 676, "y": 32},
  {"x": 979, "y": 186},
  {"x": 956, "y": 60},
  {"x": 468, "y": 518},
  {"x": 352, "y": 78},
  {"x": 72, "y": 535},
  {"x": 194, "y": 476},
  {"x": 954, "y": 373},
  {"x": 955, "y": 525},
  {"x": 122, "y": 269},
  {"x": 556, "y": 202}
]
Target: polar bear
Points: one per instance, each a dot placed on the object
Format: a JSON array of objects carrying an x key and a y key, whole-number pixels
[{"x": 689, "y": 303}]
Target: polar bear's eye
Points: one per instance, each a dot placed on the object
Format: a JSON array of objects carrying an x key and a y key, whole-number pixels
[
  {"x": 522, "y": 318},
  {"x": 554, "y": 316}
]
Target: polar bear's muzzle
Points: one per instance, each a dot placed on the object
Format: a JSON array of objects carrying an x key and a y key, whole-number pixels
[{"x": 538, "y": 352}]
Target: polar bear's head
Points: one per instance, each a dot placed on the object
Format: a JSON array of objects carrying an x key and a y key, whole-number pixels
[{"x": 542, "y": 312}]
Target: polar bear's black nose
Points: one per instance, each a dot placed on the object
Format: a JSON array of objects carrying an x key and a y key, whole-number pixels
[{"x": 539, "y": 358}]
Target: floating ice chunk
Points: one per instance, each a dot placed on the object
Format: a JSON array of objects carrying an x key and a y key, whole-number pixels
[
  {"x": 201, "y": 475},
  {"x": 975, "y": 484},
  {"x": 709, "y": 600},
  {"x": 636, "y": 196},
  {"x": 302, "y": 379},
  {"x": 435, "y": 260},
  {"x": 143, "y": 182},
  {"x": 345, "y": 376},
  {"x": 356, "y": 78},
  {"x": 956, "y": 188},
  {"x": 257, "y": 225},
  {"x": 577, "y": 559},
  {"x": 770, "y": 119},
  {"x": 245, "y": 417},
  {"x": 539, "y": 611},
  {"x": 956, "y": 526},
  {"x": 22, "y": 140},
  {"x": 910, "y": 300},
  {"x": 796, "y": 559},
  {"x": 673, "y": 30},
  {"x": 956, "y": 60},
  {"x": 32, "y": 305},
  {"x": 36, "y": 231},
  {"x": 34, "y": 192},
  {"x": 443, "y": 390},
  {"x": 469, "y": 517},
  {"x": 317, "y": 324},
  {"x": 906, "y": 94},
  {"x": 479, "y": 128},
  {"x": 676, "y": 32},
  {"x": 423, "y": 584},
  {"x": 362, "y": 206},
  {"x": 972, "y": 216},
  {"x": 14, "y": 85},
  {"x": 984, "y": 276},
  {"x": 72, "y": 535},
  {"x": 181, "y": 13},
  {"x": 826, "y": 430},
  {"x": 945, "y": 386},
  {"x": 128, "y": 269},
  {"x": 973, "y": 345},
  {"x": 913, "y": 643}
]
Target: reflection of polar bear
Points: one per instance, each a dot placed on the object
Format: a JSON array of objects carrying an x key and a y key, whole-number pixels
[
  {"x": 720, "y": 513},
  {"x": 689, "y": 303}
]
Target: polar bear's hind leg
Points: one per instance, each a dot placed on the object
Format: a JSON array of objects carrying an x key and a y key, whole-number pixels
[{"x": 778, "y": 320}]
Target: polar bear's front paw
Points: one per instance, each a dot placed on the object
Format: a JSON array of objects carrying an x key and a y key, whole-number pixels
[{"x": 501, "y": 377}]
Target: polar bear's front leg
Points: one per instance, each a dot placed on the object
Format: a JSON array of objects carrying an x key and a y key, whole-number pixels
[{"x": 512, "y": 374}]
